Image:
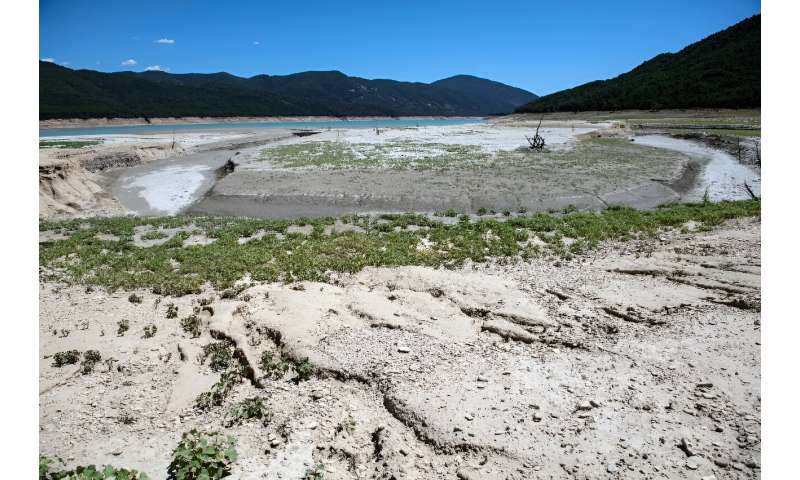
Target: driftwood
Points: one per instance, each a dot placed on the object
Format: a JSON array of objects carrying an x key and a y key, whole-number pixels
[{"x": 537, "y": 141}]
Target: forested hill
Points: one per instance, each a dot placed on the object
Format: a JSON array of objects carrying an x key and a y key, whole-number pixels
[
  {"x": 720, "y": 71},
  {"x": 67, "y": 93}
]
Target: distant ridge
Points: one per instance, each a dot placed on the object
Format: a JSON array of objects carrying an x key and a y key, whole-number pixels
[
  {"x": 720, "y": 71},
  {"x": 67, "y": 93}
]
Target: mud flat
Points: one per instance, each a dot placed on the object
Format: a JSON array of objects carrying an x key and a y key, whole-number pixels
[
  {"x": 439, "y": 168},
  {"x": 640, "y": 360}
]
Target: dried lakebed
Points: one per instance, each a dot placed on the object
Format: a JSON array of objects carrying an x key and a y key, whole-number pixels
[{"x": 637, "y": 360}]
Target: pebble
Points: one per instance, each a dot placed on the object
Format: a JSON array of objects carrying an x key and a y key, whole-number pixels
[
  {"x": 611, "y": 468},
  {"x": 693, "y": 463},
  {"x": 482, "y": 379},
  {"x": 403, "y": 349}
]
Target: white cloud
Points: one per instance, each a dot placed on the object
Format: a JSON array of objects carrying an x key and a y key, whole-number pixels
[
  {"x": 48, "y": 59},
  {"x": 156, "y": 68},
  {"x": 129, "y": 62},
  {"x": 256, "y": 43},
  {"x": 165, "y": 41}
]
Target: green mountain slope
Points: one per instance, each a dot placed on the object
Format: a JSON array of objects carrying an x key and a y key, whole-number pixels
[
  {"x": 720, "y": 71},
  {"x": 67, "y": 93}
]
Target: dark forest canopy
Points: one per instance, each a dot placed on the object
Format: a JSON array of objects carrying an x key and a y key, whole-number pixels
[
  {"x": 720, "y": 71},
  {"x": 67, "y": 93}
]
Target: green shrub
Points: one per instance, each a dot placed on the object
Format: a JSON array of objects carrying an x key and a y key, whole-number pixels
[
  {"x": 69, "y": 357},
  {"x": 150, "y": 331},
  {"x": 90, "y": 359},
  {"x": 133, "y": 298},
  {"x": 247, "y": 409},
  {"x": 172, "y": 310},
  {"x": 199, "y": 455},
  {"x": 122, "y": 327},
  {"x": 221, "y": 354}
]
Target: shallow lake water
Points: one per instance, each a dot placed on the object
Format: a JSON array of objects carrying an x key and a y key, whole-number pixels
[{"x": 321, "y": 124}]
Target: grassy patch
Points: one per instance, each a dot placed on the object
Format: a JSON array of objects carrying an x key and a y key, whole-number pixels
[
  {"x": 393, "y": 154},
  {"x": 68, "y": 144},
  {"x": 84, "y": 259}
]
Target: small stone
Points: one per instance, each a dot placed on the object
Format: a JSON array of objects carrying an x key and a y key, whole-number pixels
[
  {"x": 403, "y": 349},
  {"x": 693, "y": 462},
  {"x": 274, "y": 443},
  {"x": 611, "y": 468},
  {"x": 482, "y": 379}
]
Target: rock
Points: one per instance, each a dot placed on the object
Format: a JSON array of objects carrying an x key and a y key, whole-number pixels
[
  {"x": 687, "y": 447},
  {"x": 694, "y": 462},
  {"x": 482, "y": 378},
  {"x": 611, "y": 468},
  {"x": 403, "y": 349}
]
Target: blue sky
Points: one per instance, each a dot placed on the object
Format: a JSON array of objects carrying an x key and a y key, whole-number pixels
[{"x": 540, "y": 46}]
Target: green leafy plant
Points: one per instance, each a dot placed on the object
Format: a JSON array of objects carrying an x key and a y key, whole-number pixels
[
  {"x": 202, "y": 456},
  {"x": 90, "y": 359},
  {"x": 133, "y": 298},
  {"x": 247, "y": 409},
  {"x": 69, "y": 357},
  {"x": 172, "y": 310},
  {"x": 220, "y": 354},
  {"x": 150, "y": 331},
  {"x": 122, "y": 327},
  {"x": 273, "y": 366}
]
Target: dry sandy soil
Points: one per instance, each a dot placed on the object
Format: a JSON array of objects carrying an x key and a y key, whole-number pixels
[{"x": 640, "y": 360}]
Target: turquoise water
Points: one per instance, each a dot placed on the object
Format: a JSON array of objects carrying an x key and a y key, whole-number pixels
[{"x": 144, "y": 129}]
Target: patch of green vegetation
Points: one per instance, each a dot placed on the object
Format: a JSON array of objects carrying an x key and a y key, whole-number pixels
[
  {"x": 248, "y": 409},
  {"x": 202, "y": 456},
  {"x": 391, "y": 154},
  {"x": 219, "y": 391},
  {"x": 150, "y": 331},
  {"x": 133, "y": 298},
  {"x": 172, "y": 310},
  {"x": 273, "y": 366},
  {"x": 191, "y": 325},
  {"x": 220, "y": 355},
  {"x": 69, "y": 357},
  {"x": 122, "y": 327},
  {"x": 68, "y": 143},
  {"x": 83, "y": 259},
  {"x": 90, "y": 472},
  {"x": 316, "y": 473},
  {"x": 90, "y": 359}
]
